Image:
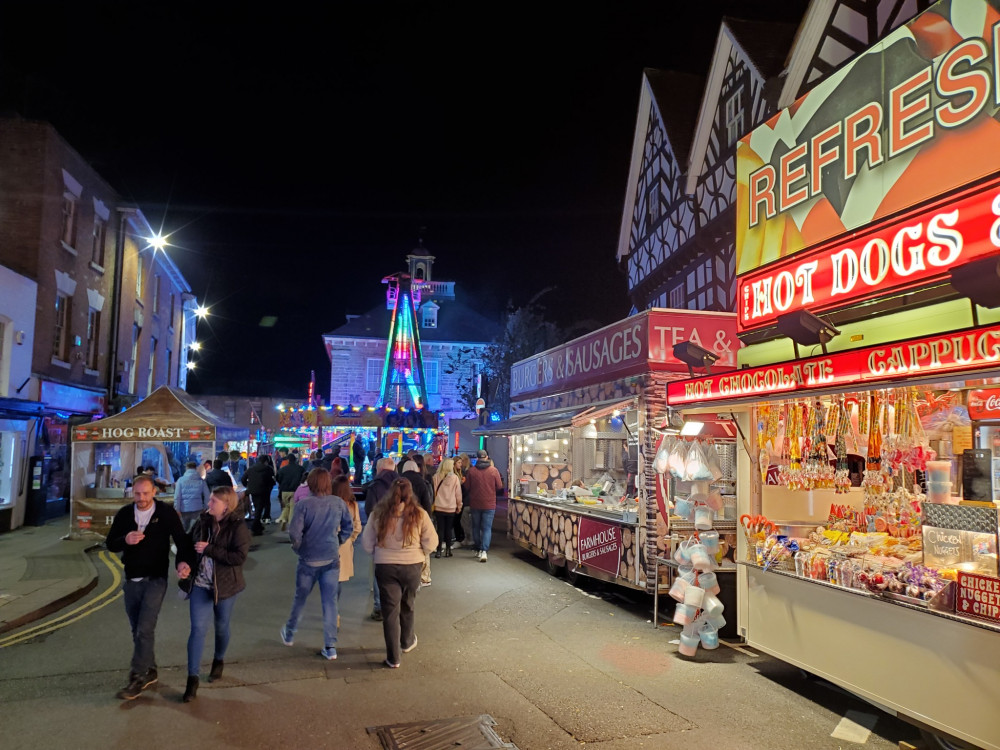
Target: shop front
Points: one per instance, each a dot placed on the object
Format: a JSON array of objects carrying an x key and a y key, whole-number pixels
[
  {"x": 586, "y": 418},
  {"x": 164, "y": 430},
  {"x": 19, "y": 420},
  {"x": 868, "y": 552}
]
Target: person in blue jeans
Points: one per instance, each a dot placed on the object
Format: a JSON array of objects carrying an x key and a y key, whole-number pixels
[
  {"x": 482, "y": 484},
  {"x": 222, "y": 543},
  {"x": 320, "y": 524}
]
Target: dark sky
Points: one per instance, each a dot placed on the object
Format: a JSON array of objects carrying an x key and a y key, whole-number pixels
[{"x": 294, "y": 151}]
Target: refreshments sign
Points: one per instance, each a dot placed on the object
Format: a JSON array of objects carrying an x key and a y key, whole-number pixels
[
  {"x": 908, "y": 120},
  {"x": 907, "y": 253},
  {"x": 599, "y": 545},
  {"x": 641, "y": 343},
  {"x": 944, "y": 354},
  {"x": 978, "y": 596},
  {"x": 984, "y": 404}
]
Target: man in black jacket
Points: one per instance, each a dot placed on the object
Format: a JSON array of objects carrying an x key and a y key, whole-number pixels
[
  {"x": 289, "y": 478},
  {"x": 142, "y": 531}
]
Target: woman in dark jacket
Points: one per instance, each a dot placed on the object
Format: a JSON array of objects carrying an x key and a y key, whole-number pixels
[
  {"x": 259, "y": 481},
  {"x": 222, "y": 541}
]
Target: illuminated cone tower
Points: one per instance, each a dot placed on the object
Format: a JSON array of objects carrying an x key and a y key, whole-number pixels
[{"x": 403, "y": 383}]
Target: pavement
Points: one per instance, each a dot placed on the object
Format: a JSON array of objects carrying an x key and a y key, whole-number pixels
[{"x": 42, "y": 572}]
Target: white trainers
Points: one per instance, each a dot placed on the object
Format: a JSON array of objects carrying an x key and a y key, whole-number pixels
[
  {"x": 482, "y": 556},
  {"x": 479, "y": 554}
]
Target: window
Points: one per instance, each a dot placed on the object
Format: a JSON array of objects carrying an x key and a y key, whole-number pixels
[
  {"x": 373, "y": 374},
  {"x": 432, "y": 370},
  {"x": 138, "y": 277},
  {"x": 100, "y": 233},
  {"x": 4, "y": 375},
  {"x": 93, "y": 333},
  {"x": 173, "y": 301},
  {"x": 60, "y": 334},
  {"x": 653, "y": 204},
  {"x": 429, "y": 315},
  {"x": 150, "y": 379},
  {"x": 156, "y": 293},
  {"x": 69, "y": 219},
  {"x": 230, "y": 412},
  {"x": 170, "y": 366},
  {"x": 677, "y": 298},
  {"x": 136, "y": 333},
  {"x": 734, "y": 116}
]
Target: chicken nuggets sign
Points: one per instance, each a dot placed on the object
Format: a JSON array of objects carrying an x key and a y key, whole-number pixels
[{"x": 908, "y": 120}]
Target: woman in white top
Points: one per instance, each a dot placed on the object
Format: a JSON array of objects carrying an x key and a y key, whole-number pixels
[
  {"x": 447, "y": 504},
  {"x": 398, "y": 535}
]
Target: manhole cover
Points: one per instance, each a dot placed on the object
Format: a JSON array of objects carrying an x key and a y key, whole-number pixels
[{"x": 466, "y": 732}]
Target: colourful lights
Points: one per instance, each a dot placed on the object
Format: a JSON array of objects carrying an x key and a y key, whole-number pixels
[{"x": 403, "y": 367}]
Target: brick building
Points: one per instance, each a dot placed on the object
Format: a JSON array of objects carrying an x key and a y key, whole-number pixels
[
  {"x": 89, "y": 256},
  {"x": 452, "y": 338}
]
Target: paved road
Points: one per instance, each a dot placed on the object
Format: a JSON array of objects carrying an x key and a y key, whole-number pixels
[{"x": 555, "y": 665}]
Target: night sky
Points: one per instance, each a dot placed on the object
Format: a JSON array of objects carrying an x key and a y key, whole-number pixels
[{"x": 295, "y": 152}]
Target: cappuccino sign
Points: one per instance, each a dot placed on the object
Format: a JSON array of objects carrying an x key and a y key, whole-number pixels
[{"x": 641, "y": 343}]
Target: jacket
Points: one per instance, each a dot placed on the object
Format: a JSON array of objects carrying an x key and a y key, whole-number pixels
[
  {"x": 228, "y": 549},
  {"x": 347, "y": 548},
  {"x": 421, "y": 489},
  {"x": 319, "y": 526},
  {"x": 394, "y": 549},
  {"x": 289, "y": 477},
  {"x": 150, "y": 558},
  {"x": 190, "y": 493},
  {"x": 378, "y": 489},
  {"x": 258, "y": 479},
  {"x": 483, "y": 483},
  {"x": 447, "y": 493},
  {"x": 218, "y": 478}
]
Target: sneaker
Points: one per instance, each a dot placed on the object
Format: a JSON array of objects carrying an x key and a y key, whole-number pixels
[
  {"x": 131, "y": 691},
  {"x": 479, "y": 554},
  {"x": 482, "y": 556},
  {"x": 377, "y": 615},
  {"x": 390, "y": 664},
  {"x": 412, "y": 646},
  {"x": 424, "y": 583},
  {"x": 329, "y": 653},
  {"x": 286, "y": 637}
]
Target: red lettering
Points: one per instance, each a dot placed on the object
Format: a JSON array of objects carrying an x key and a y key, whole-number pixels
[
  {"x": 974, "y": 84},
  {"x": 901, "y": 112},
  {"x": 819, "y": 158},
  {"x": 762, "y": 189},
  {"x": 791, "y": 175},
  {"x": 869, "y": 139}
]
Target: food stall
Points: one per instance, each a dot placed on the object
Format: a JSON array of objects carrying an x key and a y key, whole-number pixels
[
  {"x": 865, "y": 559},
  {"x": 586, "y": 417},
  {"x": 164, "y": 430}
]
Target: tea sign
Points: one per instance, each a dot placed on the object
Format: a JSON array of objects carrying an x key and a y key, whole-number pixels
[{"x": 978, "y": 596}]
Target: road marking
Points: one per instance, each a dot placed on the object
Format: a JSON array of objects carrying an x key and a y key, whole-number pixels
[
  {"x": 112, "y": 593},
  {"x": 855, "y": 727}
]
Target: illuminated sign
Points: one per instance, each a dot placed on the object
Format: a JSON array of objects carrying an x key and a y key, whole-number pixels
[
  {"x": 984, "y": 404},
  {"x": 903, "y": 254},
  {"x": 641, "y": 343},
  {"x": 945, "y": 354},
  {"x": 96, "y": 431},
  {"x": 908, "y": 120}
]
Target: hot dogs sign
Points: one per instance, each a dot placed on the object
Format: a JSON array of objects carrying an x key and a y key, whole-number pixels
[
  {"x": 910, "y": 119},
  {"x": 632, "y": 346}
]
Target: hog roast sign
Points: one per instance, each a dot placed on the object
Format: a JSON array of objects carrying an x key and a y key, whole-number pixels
[{"x": 911, "y": 119}]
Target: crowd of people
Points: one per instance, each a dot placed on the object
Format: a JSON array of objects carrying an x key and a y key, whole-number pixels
[{"x": 410, "y": 511}]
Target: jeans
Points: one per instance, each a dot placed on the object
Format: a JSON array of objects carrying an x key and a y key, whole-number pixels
[
  {"x": 261, "y": 502},
  {"x": 188, "y": 518},
  {"x": 445, "y": 528},
  {"x": 202, "y": 606},
  {"x": 142, "y": 605},
  {"x": 399, "y": 584},
  {"x": 328, "y": 577},
  {"x": 482, "y": 528}
]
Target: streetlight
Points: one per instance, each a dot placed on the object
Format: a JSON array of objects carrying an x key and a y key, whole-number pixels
[
  {"x": 158, "y": 241},
  {"x": 195, "y": 346},
  {"x": 201, "y": 312}
]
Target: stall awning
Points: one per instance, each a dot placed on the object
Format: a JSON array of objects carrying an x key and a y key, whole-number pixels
[
  {"x": 598, "y": 411},
  {"x": 536, "y": 422}
]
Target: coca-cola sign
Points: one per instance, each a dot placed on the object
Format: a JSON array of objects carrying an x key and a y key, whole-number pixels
[{"x": 984, "y": 404}]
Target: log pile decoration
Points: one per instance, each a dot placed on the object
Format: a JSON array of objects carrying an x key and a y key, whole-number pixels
[{"x": 551, "y": 476}]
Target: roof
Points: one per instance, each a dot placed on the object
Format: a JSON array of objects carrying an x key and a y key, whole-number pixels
[
  {"x": 455, "y": 322},
  {"x": 677, "y": 97},
  {"x": 766, "y": 43},
  {"x": 165, "y": 414}
]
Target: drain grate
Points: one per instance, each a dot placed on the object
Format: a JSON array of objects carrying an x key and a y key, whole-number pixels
[{"x": 466, "y": 732}]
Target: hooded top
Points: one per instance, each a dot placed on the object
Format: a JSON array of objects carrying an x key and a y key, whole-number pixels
[{"x": 482, "y": 483}]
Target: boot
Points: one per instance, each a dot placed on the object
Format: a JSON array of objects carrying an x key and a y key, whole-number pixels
[
  {"x": 447, "y": 552},
  {"x": 216, "y": 673},
  {"x": 437, "y": 554},
  {"x": 191, "y": 691}
]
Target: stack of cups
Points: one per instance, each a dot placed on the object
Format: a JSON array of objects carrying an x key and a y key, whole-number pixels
[{"x": 938, "y": 481}]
